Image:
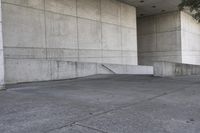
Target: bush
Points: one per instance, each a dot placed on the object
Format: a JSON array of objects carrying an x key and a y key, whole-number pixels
[{"x": 194, "y": 7}]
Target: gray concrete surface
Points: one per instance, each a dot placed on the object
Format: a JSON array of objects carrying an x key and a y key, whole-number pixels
[
  {"x": 37, "y": 33},
  {"x": 165, "y": 69},
  {"x": 172, "y": 37},
  {"x": 30, "y": 70},
  {"x": 159, "y": 38},
  {"x": 1, "y": 55},
  {"x": 103, "y": 104},
  {"x": 190, "y": 39}
]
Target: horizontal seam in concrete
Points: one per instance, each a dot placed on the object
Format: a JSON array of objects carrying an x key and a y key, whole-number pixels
[
  {"x": 159, "y": 51},
  {"x": 119, "y": 108},
  {"x": 153, "y": 33},
  {"x": 61, "y": 58},
  {"x": 43, "y": 48},
  {"x": 103, "y": 22}
]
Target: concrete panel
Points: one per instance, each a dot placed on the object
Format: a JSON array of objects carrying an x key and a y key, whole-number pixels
[
  {"x": 67, "y": 7},
  {"x": 1, "y": 13},
  {"x": 129, "y": 58},
  {"x": 110, "y": 11},
  {"x": 129, "y": 39},
  {"x": 128, "y": 16},
  {"x": 89, "y": 33},
  {"x": 168, "y": 22},
  {"x": 90, "y": 56},
  {"x": 62, "y": 54},
  {"x": 112, "y": 57},
  {"x": 147, "y": 43},
  {"x": 169, "y": 41},
  {"x": 146, "y": 25},
  {"x": 191, "y": 59},
  {"x": 26, "y": 70},
  {"x": 111, "y": 37},
  {"x": 189, "y": 24},
  {"x": 39, "y": 4},
  {"x": 61, "y": 31},
  {"x": 190, "y": 31},
  {"x": 63, "y": 70},
  {"x": 1, "y": 36},
  {"x": 25, "y": 53},
  {"x": 1, "y": 69},
  {"x": 89, "y": 9},
  {"x": 190, "y": 41},
  {"x": 86, "y": 69},
  {"x": 24, "y": 25},
  {"x": 149, "y": 60}
]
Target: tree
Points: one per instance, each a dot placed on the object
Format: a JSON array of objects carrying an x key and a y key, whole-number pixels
[{"x": 193, "y": 6}]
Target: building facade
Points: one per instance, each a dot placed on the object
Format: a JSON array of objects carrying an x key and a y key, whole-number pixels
[{"x": 45, "y": 39}]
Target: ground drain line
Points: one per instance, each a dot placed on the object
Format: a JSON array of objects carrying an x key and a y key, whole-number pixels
[{"x": 115, "y": 109}]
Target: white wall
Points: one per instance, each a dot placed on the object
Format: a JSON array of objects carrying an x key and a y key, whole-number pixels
[
  {"x": 39, "y": 32},
  {"x": 159, "y": 38},
  {"x": 190, "y": 30},
  {"x": 1, "y": 55}
]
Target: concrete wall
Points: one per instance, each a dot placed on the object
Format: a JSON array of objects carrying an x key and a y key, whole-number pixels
[
  {"x": 38, "y": 34},
  {"x": 53, "y": 70},
  {"x": 168, "y": 69},
  {"x": 1, "y": 55},
  {"x": 159, "y": 38},
  {"x": 190, "y": 30}
]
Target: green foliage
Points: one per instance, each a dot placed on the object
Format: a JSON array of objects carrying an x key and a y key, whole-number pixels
[{"x": 194, "y": 7}]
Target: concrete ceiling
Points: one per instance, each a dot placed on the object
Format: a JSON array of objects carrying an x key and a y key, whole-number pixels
[{"x": 151, "y": 7}]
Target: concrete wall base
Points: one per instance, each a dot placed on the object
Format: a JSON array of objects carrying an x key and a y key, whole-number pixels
[
  {"x": 168, "y": 69},
  {"x": 57, "y": 70},
  {"x": 2, "y": 87}
]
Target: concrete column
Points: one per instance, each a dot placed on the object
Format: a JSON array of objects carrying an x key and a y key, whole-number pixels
[
  {"x": 159, "y": 38},
  {"x": 1, "y": 55}
]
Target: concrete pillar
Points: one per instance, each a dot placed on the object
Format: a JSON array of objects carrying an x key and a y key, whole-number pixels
[
  {"x": 1, "y": 55},
  {"x": 171, "y": 37},
  {"x": 159, "y": 38}
]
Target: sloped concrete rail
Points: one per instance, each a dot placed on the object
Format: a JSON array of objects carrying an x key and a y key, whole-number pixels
[{"x": 165, "y": 69}]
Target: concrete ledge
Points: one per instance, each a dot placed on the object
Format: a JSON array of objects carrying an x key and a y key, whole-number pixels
[
  {"x": 167, "y": 69},
  {"x": 129, "y": 69},
  {"x": 45, "y": 70},
  {"x": 2, "y": 87}
]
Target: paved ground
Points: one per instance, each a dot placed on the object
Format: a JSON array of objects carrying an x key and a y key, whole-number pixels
[{"x": 103, "y": 104}]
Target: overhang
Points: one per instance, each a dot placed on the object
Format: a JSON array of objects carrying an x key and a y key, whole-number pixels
[{"x": 152, "y": 7}]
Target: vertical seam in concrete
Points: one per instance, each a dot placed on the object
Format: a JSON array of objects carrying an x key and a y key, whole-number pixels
[
  {"x": 45, "y": 28},
  {"x": 2, "y": 86},
  {"x": 45, "y": 36},
  {"x": 180, "y": 18},
  {"x": 100, "y": 2},
  {"x": 77, "y": 27},
  {"x": 120, "y": 26},
  {"x": 155, "y": 24}
]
